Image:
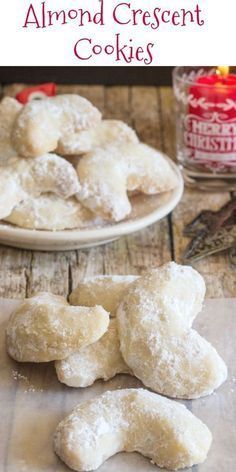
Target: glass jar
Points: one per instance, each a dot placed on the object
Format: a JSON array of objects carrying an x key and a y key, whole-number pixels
[{"x": 206, "y": 126}]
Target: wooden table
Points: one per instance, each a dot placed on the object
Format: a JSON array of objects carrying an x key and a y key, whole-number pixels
[{"x": 150, "y": 111}]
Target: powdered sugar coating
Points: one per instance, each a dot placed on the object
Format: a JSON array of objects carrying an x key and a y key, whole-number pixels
[
  {"x": 11, "y": 191},
  {"x": 49, "y": 173},
  {"x": 131, "y": 420},
  {"x": 53, "y": 213},
  {"x": 43, "y": 125},
  {"x": 104, "y": 290},
  {"x": 156, "y": 339},
  {"x": 21, "y": 180},
  {"x": 46, "y": 328},
  {"x": 9, "y": 109},
  {"x": 100, "y": 360},
  {"x": 107, "y": 174},
  {"x": 114, "y": 132}
]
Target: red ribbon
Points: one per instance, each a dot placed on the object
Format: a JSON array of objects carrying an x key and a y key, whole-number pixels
[{"x": 36, "y": 92}]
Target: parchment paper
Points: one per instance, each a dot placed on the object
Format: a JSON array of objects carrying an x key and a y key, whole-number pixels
[{"x": 33, "y": 401}]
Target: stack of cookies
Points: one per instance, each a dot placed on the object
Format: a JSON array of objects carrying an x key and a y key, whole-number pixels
[
  {"x": 63, "y": 167},
  {"x": 140, "y": 326}
]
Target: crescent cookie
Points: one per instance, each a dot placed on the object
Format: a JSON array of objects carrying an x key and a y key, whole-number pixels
[
  {"x": 45, "y": 328},
  {"x": 43, "y": 125},
  {"x": 49, "y": 173},
  {"x": 106, "y": 175},
  {"x": 104, "y": 290},
  {"x": 108, "y": 132},
  {"x": 21, "y": 179},
  {"x": 11, "y": 192},
  {"x": 132, "y": 420},
  {"x": 156, "y": 339},
  {"x": 9, "y": 109},
  {"x": 100, "y": 360},
  {"x": 50, "y": 212},
  {"x": 103, "y": 359}
]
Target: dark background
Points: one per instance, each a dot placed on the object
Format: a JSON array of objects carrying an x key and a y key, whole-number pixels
[{"x": 88, "y": 75}]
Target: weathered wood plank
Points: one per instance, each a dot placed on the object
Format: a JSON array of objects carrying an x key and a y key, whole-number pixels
[
  {"x": 146, "y": 114},
  {"x": 12, "y": 89},
  {"x": 50, "y": 271},
  {"x": 135, "y": 253},
  {"x": 117, "y": 103},
  {"x": 14, "y": 272},
  {"x": 89, "y": 262}
]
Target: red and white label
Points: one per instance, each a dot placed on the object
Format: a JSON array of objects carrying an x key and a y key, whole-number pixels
[{"x": 211, "y": 140}]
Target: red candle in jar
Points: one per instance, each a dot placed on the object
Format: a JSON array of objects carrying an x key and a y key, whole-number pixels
[{"x": 210, "y": 125}]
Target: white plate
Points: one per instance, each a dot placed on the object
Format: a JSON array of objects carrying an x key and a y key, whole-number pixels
[{"x": 146, "y": 211}]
